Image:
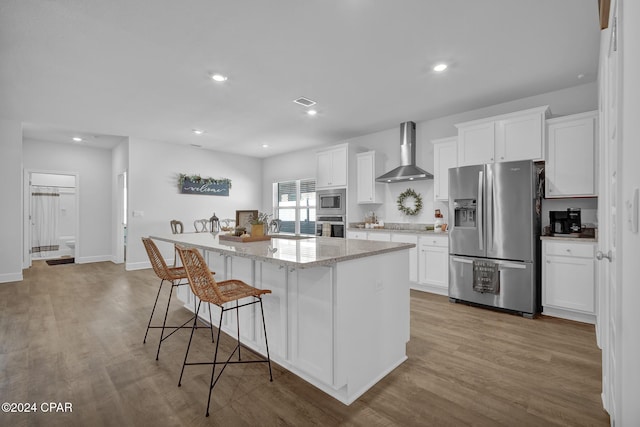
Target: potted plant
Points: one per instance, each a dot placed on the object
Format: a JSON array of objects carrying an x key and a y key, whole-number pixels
[{"x": 258, "y": 223}]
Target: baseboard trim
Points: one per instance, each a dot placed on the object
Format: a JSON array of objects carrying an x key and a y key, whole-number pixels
[
  {"x": 11, "y": 277},
  {"x": 90, "y": 259},
  {"x": 130, "y": 266},
  {"x": 430, "y": 288}
]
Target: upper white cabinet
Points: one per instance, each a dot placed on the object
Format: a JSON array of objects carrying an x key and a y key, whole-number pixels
[
  {"x": 331, "y": 167},
  {"x": 367, "y": 166},
  {"x": 571, "y": 159},
  {"x": 505, "y": 138},
  {"x": 445, "y": 156},
  {"x": 476, "y": 143}
]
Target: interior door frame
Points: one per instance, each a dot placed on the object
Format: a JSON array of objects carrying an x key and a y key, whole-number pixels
[{"x": 26, "y": 210}]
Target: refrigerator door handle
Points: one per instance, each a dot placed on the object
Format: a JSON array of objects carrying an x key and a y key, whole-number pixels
[
  {"x": 490, "y": 210},
  {"x": 480, "y": 208},
  {"x": 462, "y": 260}
]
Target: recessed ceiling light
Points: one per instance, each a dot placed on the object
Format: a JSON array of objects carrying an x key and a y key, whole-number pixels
[
  {"x": 265, "y": 145},
  {"x": 77, "y": 139},
  {"x": 197, "y": 131},
  {"x": 580, "y": 76},
  {"x": 312, "y": 112},
  {"x": 440, "y": 67},
  {"x": 219, "y": 77}
]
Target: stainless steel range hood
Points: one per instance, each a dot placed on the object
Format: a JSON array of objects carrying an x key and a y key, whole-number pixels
[{"x": 407, "y": 171}]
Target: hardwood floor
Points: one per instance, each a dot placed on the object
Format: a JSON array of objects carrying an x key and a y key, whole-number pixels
[{"x": 73, "y": 333}]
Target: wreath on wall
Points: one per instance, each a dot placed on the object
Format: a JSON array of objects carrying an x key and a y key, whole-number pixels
[{"x": 409, "y": 202}]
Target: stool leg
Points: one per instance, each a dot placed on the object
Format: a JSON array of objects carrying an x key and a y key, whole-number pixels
[
  {"x": 215, "y": 359},
  {"x": 195, "y": 320},
  {"x": 211, "y": 322},
  {"x": 152, "y": 311},
  {"x": 164, "y": 323},
  {"x": 266, "y": 342},
  {"x": 238, "y": 325}
]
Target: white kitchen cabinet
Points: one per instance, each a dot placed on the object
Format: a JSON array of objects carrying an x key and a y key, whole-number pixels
[
  {"x": 413, "y": 252},
  {"x": 379, "y": 236},
  {"x": 331, "y": 167},
  {"x": 504, "y": 138},
  {"x": 476, "y": 143},
  {"x": 433, "y": 264},
  {"x": 361, "y": 235},
  {"x": 521, "y": 137},
  {"x": 445, "y": 156},
  {"x": 568, "y": 280},
  {"x": 571, "y": 160},
  {"x": 367, "y": 167}
]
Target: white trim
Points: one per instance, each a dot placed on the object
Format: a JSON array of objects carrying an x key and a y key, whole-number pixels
[
  {"x": 11, "y": 277},
  {"x": 423, "y": 287},
  {"x": 130, "y": 266},
  {"x": 91, "y": 259}
]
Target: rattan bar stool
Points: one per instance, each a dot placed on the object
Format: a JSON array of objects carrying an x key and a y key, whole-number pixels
[
  {"x": 178, "y": 277},
  {"x": 209, "y": 291}
]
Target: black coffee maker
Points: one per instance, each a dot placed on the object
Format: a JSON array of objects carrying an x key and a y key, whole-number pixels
[{"x": 565, "y": 222}]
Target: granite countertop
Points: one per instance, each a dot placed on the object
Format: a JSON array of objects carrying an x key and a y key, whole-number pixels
[
  {"x": 289, "y": 250},
  {"x": 570, "y": 238}
]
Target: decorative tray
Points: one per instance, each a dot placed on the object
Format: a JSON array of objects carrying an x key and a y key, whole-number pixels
[{"x": 240, "y": 239}]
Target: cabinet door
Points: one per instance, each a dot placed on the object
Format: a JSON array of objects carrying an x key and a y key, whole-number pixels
[
  {"x": 445, "y": 156},
  {"x": 339, "y": 167},
  {"x": 571, "y": 161},
  {"x": 311, "y": 323},
  {"x": 434, "y": 266},
  {"x": 520, "y": 138},
  {"x": 323, "y": 169},
  {"x": 365, "y": 177},
  {"x": 361, "y": 235},
  {"x": 475, "y": 144},
  {"x": 272, "y": 277},
  {"x": 413, "y": 253},
  {"x": 379, "y": 236},
  {"x": 569, "y": 283}
]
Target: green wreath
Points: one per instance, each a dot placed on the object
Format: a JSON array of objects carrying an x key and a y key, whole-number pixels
[{"x": 417, "y": 204}]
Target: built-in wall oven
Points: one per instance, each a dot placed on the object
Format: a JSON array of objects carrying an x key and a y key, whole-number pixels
[
  {"x": 331, "y": 209},
  {"x": 330, "y": 226}
]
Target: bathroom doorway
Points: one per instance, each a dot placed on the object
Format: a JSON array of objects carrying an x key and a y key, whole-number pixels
[{"x": 51, "y": 204}]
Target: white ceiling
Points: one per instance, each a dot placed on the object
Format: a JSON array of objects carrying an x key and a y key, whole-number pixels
[{"x": 142, "y": 68}]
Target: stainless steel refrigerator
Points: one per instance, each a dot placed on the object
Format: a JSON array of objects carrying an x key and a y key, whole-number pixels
[{"x": 494, "y": 235}]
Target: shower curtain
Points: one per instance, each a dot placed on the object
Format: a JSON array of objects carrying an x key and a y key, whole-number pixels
[{"x": 44, "y": 221}]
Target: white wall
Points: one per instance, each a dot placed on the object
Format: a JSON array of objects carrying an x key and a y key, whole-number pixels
[
  {"x": 630, "y": 247},
  {"x": 119, "y": 165},
  {"x": 93, "y": 166},
  {"x": 386, "y": 143},
  {"x": 153, "y": 189},
  {"x": 11, "y": 212}
]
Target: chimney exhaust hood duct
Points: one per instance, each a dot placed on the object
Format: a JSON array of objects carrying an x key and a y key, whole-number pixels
[{"x": 407, "y": 171}]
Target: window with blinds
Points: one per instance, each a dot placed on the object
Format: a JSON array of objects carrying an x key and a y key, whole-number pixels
[{"x": 296, "y": 206}]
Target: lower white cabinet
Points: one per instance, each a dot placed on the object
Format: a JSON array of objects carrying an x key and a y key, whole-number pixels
[
  {"x": 361, "y": 235},
  {"x": 568, "y": 280},
  {"x": 413, "y": 252},
  {"x": 433, "y": 264}
]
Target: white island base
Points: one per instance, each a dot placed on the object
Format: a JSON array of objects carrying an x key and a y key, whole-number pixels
[{"x": 341, "y": 327}]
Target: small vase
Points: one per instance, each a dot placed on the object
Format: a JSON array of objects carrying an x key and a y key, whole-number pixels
[{"x": 257, "y": 230}]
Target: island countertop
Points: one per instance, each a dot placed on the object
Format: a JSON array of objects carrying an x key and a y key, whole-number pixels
[{"x": 293, "y": 251}]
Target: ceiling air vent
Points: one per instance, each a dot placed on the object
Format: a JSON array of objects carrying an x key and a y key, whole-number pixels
[{"x": 305, "y": 102}]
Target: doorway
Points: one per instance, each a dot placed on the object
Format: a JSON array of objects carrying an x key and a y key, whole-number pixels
[
  {"x": 121, "y": 226},
  {"x": 51, "y": 220}
]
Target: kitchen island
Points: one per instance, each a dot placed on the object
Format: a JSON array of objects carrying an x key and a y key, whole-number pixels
[{"x": 338, "y": 314}]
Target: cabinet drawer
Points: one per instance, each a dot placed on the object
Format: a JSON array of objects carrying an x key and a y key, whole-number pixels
[
  {"x": 584, "y": 250},
  {"x": 440, "y": 241}
]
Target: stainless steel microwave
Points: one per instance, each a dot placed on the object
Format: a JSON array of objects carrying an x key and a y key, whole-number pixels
[{"x": 331, "y": 202}]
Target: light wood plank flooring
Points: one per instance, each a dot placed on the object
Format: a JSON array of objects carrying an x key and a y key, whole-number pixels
[{"x": 73, "y": 333}]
